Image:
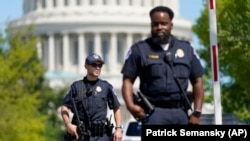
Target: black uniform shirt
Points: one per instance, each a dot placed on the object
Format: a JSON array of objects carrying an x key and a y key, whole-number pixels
[
  {"x": 99, "y": 94},
  {"x": 148, "y": 61}
]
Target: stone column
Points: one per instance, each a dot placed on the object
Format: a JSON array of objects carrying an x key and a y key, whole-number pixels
[
  {"x": 112, "y": 2},
  {"x": 66, "y": 56},
  {"x": 49, "y": 4},
  {"x": 147, "y": 3},
  {"x": 136, "y": 3},
  {"x": 98, "y": 2},
  {"x": 86, "y": 3},
  {"x": 81, "y": 52},
  {"x": 157, "y": 2},
  {"x": 39, "y": 5},
  {"x": 97, "y": 43},
  {"x": 39, "y": 48},
  {"x": 113, "y": 53},
  {"x": 72, "y": 3},
  {"x": 51, "y": 46},
  {"x": 60, "y": 3},
  {"x": 124, "y": 2},
  {"x": 129, "y": 42}
]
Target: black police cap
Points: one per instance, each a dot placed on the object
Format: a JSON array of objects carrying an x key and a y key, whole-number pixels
[{"x": 93, "y": 58}]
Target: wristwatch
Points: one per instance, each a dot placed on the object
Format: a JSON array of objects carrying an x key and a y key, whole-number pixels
[
  {"x": 197, "y": 113},
  {"x": 119, "y": 127}
]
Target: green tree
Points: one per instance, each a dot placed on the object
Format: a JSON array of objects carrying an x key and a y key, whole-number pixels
[
  {"x": 29, "y": 105},
  {"x": 51, "y": 101},
  {"x": 21, "y": 80},
  {"x": 234, "y": 54}
]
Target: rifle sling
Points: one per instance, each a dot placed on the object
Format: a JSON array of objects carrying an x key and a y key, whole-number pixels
[{"x": 81, "y": 95}]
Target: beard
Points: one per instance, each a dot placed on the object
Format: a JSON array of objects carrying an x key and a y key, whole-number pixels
[{"x": 160, "y": 39}]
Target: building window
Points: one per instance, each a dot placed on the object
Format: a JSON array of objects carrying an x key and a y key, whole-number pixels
[
  {"x": 91, "y": 2},
  {"x": 61, "y": 53},
  {"x": 105, "y": 2},
  {"x": 118, "y": 2},
  {"x": 130, "y": 3},
  {"x": 119, "y": 51},
  {"x": 66, "y": 2},
  {"x": 35, "y": 5},
  {"x": 75, "y": 52},
  {"x": 142, "y": 3},
  {"x": 79, "y": 2},
  {"x": 105, "y": 50},
  {"x": 44, "y": 50},
  {"x": 54, "y": 3},
  {"x": 43, "y": 4},
  {"x": 58, "y": 52},
  {"x": 90, "y": 47}
]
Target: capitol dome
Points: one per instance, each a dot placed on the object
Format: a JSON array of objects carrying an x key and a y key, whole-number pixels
[{"x": 69, "y": 30}]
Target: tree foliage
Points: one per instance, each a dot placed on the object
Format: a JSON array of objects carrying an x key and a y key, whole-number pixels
[
  {"x": 21, "y": 79},
  {"x": 30, "y": 107},
  {"x": 28, "y": 104},
  {"x": 51, "y": 101},
  {"x": 234, "y": 55}
]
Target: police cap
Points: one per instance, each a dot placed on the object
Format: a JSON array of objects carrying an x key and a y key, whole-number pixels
[{"x": 93, "y": 58}]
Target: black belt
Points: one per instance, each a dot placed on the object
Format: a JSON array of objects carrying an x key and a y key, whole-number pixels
[{"x": 168, "y": 104}]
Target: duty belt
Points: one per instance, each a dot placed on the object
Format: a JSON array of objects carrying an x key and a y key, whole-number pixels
[
  {"x": 168, "y": 104},
  {"x": 98, "y": 128}
]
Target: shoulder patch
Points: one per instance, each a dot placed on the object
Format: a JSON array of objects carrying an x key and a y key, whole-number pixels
[
  {"x": 128, "y": 54},
  {"x": 113, "y": 90},
  {"x": 195, "y": 53}
]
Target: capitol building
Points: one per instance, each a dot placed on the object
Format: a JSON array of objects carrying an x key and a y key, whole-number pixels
[{"x": 69, "y": 30}]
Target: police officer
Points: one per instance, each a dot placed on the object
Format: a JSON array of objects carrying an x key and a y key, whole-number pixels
[
  {"x": 160, "y": 61},
  {"x": 98, "y": 94}
]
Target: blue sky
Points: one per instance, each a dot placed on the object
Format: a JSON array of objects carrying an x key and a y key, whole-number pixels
[
  {"x": 190, "y": 9},
  {"x": 11, "y": 9}
]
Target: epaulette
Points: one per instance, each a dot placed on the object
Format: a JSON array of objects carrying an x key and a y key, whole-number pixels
[{"x": 186, "y": 42}]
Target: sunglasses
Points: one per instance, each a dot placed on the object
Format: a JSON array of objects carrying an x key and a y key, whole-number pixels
[{"x": 96, "y": 65}]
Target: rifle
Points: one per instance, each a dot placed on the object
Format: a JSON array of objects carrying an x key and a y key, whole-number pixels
[
  {"x": 82, "y": 130},
  {"x": 141, "y": 100},
  {"x": 84, "y": 134}
]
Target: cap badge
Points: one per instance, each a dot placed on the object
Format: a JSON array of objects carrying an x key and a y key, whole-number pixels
[{"x": 96, "y": 56}]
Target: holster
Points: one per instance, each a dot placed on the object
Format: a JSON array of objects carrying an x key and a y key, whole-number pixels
[
  {"x": 142, "y": 101},
  {"x": 109, "y": 127},
  {"x": 97, "y": 128},
  {"x": 190, "y": 97},
  {"x": 68, "y": 137}
]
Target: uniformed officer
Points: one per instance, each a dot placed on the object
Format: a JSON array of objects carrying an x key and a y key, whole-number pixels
[
  {"x": 160, "y": 61},
  {"x": 98, "y": 94}
]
